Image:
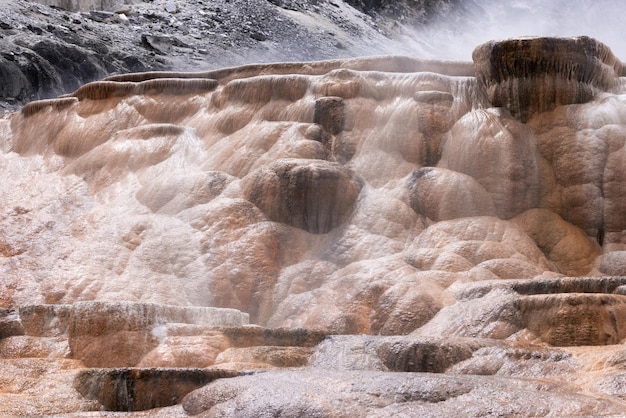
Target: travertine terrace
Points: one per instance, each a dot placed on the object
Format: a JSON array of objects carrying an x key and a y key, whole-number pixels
[{"x": 468, "y": 218}]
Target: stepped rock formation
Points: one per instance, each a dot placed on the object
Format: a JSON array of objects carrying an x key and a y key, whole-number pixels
[{"x": 468, "y": 218}]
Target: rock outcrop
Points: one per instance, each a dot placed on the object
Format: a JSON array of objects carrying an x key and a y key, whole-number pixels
[
  {"x": 141, "y": 389},
  {"x": 313, "y": 195},
  {"x": 535, "y": 75},
  {"x": 85, "y": 5},
  {"x": 269, "y": 176}
]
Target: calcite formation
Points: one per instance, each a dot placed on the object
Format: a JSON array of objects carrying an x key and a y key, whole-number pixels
[
  {"x": 533, "y": 75},
  {"x": 468, "y": 218}
]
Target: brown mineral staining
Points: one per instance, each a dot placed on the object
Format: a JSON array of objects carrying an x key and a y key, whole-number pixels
[
  {"x": 312, "y": 195},
  {"x": 39, "y": 105},
  {"x": 533, "y": 75},
  {"x": 575, "y": 319},
  {"x": 101, "y": 90}
]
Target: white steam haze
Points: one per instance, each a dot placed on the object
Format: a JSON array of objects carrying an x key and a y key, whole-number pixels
[{"x": 479, "y": 21}]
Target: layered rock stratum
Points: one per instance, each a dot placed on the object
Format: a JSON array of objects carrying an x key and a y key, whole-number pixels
[{"x": 375, "y": 236}]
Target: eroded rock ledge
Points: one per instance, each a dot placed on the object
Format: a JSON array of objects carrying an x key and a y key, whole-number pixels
[
  {"x": 141, "y": 389},
  {"x": 565, "y": 311},
  {"x": 536, "y": 74}
]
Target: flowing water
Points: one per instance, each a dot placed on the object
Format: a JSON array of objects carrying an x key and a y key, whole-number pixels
[{"x": 385, "y": 195}]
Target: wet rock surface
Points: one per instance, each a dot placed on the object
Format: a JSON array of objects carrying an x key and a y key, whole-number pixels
[
  {"x": 147, "y": 217},
  {"x": 560, "y": 312},
  {"x": 350, "y": 394},
  {"x": 534, "y": 75},
  {"x": 311, "y": 195},
  {"x": 138, "y": 357},
  {"x": 129, "y": 390}
]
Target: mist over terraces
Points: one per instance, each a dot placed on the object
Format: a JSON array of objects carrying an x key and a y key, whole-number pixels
[{"x": 346, "y": 235}]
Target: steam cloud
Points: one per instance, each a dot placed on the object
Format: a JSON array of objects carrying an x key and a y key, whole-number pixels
[{"x": 473, "y": 22}]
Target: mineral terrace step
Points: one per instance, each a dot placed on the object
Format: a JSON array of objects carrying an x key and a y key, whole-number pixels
[
  {"x": 138, "y": 389},
  {"x": 96, "y": 318}
]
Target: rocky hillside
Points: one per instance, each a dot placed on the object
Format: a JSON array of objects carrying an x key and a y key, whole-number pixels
[{"x": 46, "y": 51}]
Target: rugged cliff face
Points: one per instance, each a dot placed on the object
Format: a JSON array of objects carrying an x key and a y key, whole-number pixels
[{"x": 467, "y": 217}]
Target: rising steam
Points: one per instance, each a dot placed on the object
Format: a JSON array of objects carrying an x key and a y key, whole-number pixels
[{"x": 473, "y": 22}]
